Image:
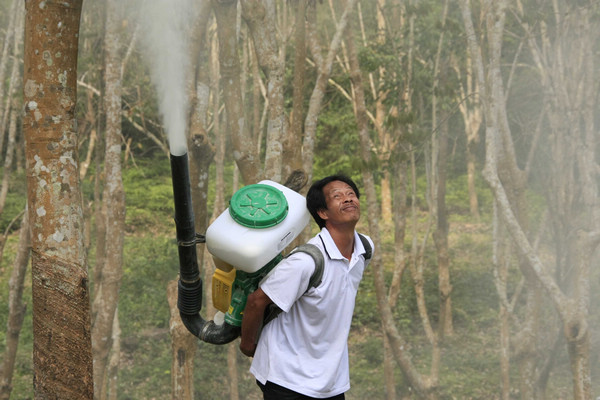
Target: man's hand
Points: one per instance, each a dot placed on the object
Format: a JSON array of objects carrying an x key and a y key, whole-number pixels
[{"x": 252, "y": 319}]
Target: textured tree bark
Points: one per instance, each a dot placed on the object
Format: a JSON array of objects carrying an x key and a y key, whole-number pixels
[
  {"x": 232, "y": 370},
  {"x": 244, "y": 148},
  {"x": 398, "y": 172},
  {"x": 470, "y": 109},
  {"x": 183, "y": 349},
  {"x": 381, "y": 93},
  {"x": 16, "y": 308},
  {"x": 106, "y": 290},
  {"x": 260, "y": 16},
  {"x": 62, "y": 354},
  {"x": 292, "y": 142},
  {"x": 440, "y": 237},
  {"x": 114, "y": 362}
]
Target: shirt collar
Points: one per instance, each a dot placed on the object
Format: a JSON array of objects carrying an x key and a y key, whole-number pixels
[{"x": 331, "y": 249}]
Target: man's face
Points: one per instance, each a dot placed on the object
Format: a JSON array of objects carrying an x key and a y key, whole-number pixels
[{"x": 343, "y": 206}]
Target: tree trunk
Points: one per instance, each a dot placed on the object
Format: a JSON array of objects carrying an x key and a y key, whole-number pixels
[
  {"x": 106, "y": 294},
  {"x": 12, "y": 108},
  {"x": 183, "y": 349},
  {"x": 201, "y": 150},
  {"x": 440, "y": 236},
  {"x": 112, "y": 371},
  {"x": 244, "y": 148},
  {"x": 8, "y": 160},
  {"x": 90, "y": 117},
  {"x": 470, "y": 109},
  {"x": 472, "y": 143},
  {"x": 262, "y": 22},
  {"x": 381, "y": 93},
  {"x": 399, "y": 220},
  {"x": 438, "y": 167},
  {"x": 292, "y": 155},
  {"x": 15, "y": 9},
  {"x": 417, "y": 268},
  {"x": 500, "y": 263},
  {"x": 62, "y": 353},
  {"x": 232, "y": 352},
  {"x": 16, "y": 308}
]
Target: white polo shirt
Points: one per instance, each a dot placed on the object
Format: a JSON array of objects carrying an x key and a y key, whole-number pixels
[{"x": 305, "y": 348}]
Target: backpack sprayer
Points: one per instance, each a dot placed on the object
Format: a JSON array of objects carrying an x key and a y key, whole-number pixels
[{"x": 246, "y": 241}]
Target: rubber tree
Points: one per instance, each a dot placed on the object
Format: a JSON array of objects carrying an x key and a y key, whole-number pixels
[
  {"x": 62, "y": 346},
  {"x": 106, "y": 290}
]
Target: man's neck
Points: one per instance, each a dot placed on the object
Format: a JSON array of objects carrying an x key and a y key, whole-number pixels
[{"x": 343, "y": 237}]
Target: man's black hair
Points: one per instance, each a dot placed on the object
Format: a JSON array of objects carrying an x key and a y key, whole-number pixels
[{"x": 315, "y": 198}]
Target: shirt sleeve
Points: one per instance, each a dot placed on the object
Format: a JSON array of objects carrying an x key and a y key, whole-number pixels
[{"x": 288, "y": 281}]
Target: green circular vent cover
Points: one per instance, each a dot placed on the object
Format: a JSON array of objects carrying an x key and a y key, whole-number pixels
[{"x": 258, "y": 206}]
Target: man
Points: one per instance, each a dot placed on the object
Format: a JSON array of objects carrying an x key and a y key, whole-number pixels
[{"x": 303, "y": 353}]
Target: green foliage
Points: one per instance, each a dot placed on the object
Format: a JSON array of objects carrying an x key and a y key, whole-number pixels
[{"x": 338, "y": 142}]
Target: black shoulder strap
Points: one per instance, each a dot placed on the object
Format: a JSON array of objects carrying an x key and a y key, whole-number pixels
[{"x": 367, "y": 246}]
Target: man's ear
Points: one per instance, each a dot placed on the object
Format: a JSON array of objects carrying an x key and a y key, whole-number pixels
[{"x": 323, "y": 214}]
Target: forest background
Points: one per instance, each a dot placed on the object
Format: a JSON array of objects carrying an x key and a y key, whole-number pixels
[{"x": 471, "y": 128}]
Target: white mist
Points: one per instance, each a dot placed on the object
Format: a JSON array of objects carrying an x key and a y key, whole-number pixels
[{"x": 165, "y": 27}]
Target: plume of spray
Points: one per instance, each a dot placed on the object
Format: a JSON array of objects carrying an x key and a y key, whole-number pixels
[{"x": 165, "y": 27}]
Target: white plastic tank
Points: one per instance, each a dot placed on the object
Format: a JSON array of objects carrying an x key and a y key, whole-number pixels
[{"x": 262, "y": 220}]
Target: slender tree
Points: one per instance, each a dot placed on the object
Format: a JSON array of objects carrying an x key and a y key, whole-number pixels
[
  {"x": 7, "y": 43},
  {"x": 260, "y": 17},
  {"x": 106, "y": 289},
  {"x": 16, "y": 308},
  {"x": 12, "y": 109},
  {"x": 292, "y": 141},
  {"x": 183, "y": 345},
  {"x": 244, "y": 147}
]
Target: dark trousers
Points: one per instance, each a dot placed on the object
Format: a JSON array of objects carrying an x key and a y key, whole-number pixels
[{"x": 272, "y": 391}]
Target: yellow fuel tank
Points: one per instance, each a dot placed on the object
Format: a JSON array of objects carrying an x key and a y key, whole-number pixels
[{"x": 222, "y": 286}]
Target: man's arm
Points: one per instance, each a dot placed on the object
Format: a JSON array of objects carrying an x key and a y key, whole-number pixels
[{"x": 252, "y": 319}]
